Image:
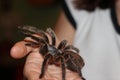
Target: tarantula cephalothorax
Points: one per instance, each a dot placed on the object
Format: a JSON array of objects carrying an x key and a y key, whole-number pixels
[{"x": 64, "y": 55}]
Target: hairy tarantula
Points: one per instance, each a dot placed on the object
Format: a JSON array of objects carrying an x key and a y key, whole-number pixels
[{"x": 64, "y": 55}]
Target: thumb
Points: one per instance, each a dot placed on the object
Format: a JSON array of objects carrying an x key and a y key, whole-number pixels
[{"x": 19, "y": 50}]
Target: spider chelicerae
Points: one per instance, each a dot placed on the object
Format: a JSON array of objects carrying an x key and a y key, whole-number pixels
[{"x": 65, "y": 56}]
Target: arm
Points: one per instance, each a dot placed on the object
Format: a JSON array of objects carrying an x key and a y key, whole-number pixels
[{"x": 63, "y": 29}]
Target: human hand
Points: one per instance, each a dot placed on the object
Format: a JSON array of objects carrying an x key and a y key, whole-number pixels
[{"x": 33, "y": 64}]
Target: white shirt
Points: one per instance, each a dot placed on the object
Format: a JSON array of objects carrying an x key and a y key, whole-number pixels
[{"x": 99, "y": 43}]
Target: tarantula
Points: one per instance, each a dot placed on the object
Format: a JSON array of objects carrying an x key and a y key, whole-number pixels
[{"x": 64, "y": 55}]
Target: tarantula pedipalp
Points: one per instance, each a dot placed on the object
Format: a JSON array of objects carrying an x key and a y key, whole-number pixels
[{"x": 64, "y": 55}]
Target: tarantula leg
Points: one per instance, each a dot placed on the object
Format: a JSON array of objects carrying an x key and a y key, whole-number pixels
[
  {"x": 63, "y": 68},
  {"x": 71, "y": 47},
  {"x": 29, "y": 30},
  {"x": 31, "y": 44},
  {"x": 52, "y": 34},
  {"x": 38, "y": 39},
  {"x": 62, "y": 44},
  {"x": 45, "y": 64},
  {"x": 43, "y": 49}
]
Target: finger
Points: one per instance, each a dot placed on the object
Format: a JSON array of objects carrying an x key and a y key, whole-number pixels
[
  {"x": 33, "y": 66},
  {"x": 19, "y": 50}
]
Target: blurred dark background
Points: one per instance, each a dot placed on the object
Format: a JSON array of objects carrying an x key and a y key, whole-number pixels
[{"x": 39, "y": 13}]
